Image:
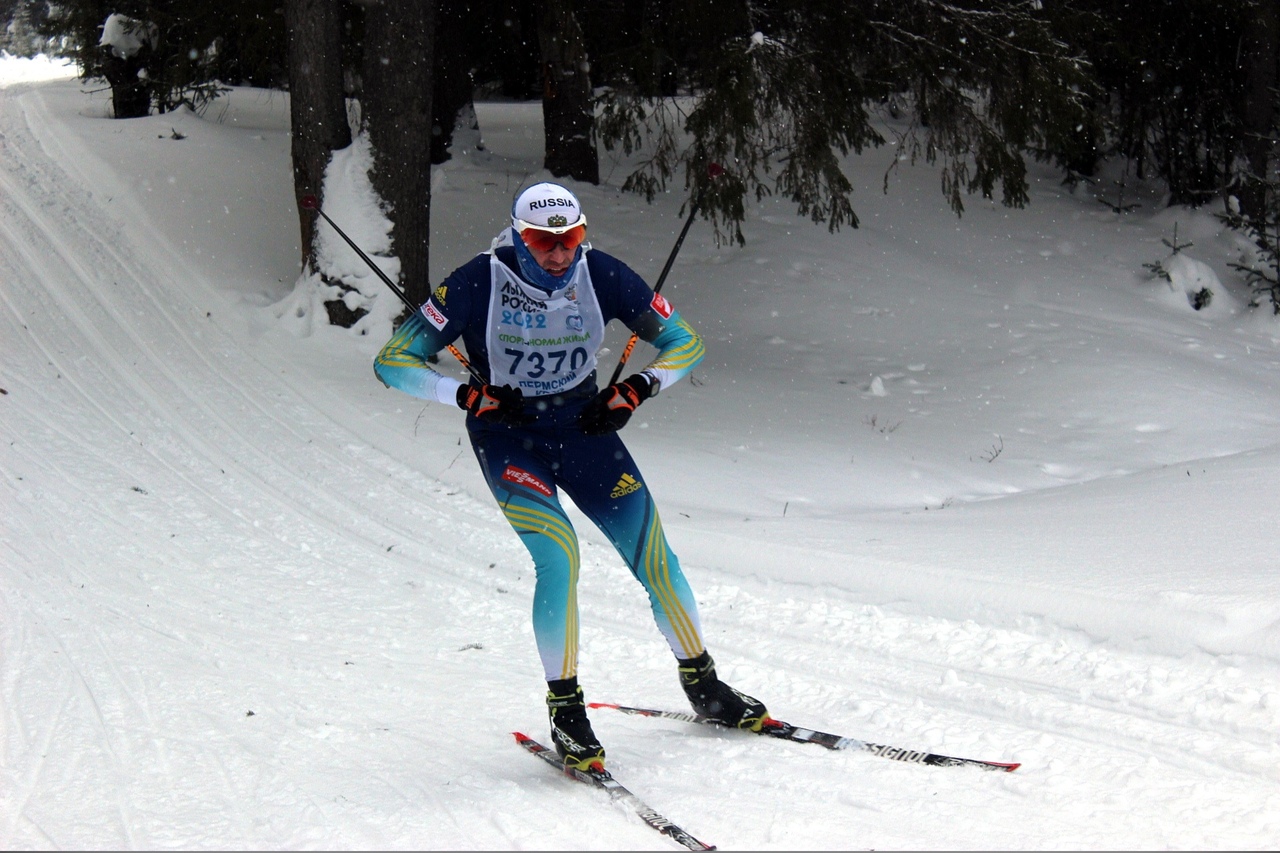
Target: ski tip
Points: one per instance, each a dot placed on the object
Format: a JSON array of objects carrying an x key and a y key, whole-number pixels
[
  {"x": 603, "y": 705},
  {"x": 521, "y": 737},
  {"x": 1009, "y": 768}
]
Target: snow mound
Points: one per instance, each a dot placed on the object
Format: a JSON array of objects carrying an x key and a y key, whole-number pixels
[{"x": 1193, "y": 285}]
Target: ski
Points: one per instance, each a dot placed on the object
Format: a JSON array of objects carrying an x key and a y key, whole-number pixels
[
  {"x": 787, "y": 731},
  {"x": 617, "y": 792}
]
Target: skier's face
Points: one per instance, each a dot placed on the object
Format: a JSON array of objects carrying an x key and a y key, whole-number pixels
[
  {"x": 555, "y": 260},
  {"x": 553, "y": 250}
]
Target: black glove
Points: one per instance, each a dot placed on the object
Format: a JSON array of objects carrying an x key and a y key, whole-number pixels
[
  {"x": 500, "y": 404},
  {"x": 610, "y": 410}
]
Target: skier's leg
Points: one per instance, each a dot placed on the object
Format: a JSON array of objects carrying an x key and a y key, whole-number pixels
[
  {"x": 524, "y": 487},
  {"x": 608, "y": 487},
  {"x": 522, "y": 480},
  {"x": 605, "y": 483}
]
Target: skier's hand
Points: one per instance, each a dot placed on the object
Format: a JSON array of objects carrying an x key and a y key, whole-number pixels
[
  {"x": 610, "y": 410},
  {"x": 495, "y": 403}
]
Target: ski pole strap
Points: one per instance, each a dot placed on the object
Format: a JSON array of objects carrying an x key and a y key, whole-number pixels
[
  {"x": 462, "y": 359},
  {"x": 626, "y": 354}
]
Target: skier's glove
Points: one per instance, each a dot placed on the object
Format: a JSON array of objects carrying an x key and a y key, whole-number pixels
[
  {"x": 610, "y": 410},
  {"x": 500, "y": 404}
]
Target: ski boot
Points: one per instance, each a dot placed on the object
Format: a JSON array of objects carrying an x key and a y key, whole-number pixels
[
  {"x": 570, "y": 729},
  {"x": 712, "y": 698}
]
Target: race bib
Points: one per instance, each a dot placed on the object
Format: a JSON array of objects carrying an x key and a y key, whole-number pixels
[{"x": 542, "y": 343}]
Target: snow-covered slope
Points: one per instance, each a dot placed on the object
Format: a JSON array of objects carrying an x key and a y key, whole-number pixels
[{"x": 976, "y": 485}]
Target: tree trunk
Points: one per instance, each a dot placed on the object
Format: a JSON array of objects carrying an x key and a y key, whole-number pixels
[
  {"x": 130, "y": 94},
  {"x": 1260, "y": 48},
  {"x": 398, "y": 51},
  {"x": 655, "y": 17},
  {"x": 452, "y": 96},
  {"x": 317, "y": 107},
  {"x": 510, "y": 39},
  {"x": 569, "y": 123}
]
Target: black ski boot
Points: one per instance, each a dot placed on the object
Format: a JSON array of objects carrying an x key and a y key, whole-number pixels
[
  {"x": 570, "y": 729},
  {"x": 712, "y": 698}
]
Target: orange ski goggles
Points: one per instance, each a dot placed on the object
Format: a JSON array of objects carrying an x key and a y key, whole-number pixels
[{"x": 544, "y": 240}]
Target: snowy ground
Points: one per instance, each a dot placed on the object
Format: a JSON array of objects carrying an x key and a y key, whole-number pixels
[{"x": 978, "y": 486}]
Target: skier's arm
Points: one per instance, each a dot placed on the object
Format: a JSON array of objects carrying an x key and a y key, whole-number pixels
[
  {"x": 680, "y": 348},
  {"x": 402, "y": 363},
  {"x": 679, "y": 351},
  {"x": 626, "y": 296}
]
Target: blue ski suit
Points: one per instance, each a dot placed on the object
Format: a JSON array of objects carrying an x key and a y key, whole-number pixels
[{"x": 545, "y": 343}]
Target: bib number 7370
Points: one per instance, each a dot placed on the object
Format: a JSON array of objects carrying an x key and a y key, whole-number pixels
[{"x": 538, "y": 364}]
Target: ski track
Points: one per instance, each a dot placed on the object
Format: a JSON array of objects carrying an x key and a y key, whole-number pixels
[
  {"x": 180, "y": 445},
  {"x": 933, "y": 684},
  {"x": 322, "y": 545}
]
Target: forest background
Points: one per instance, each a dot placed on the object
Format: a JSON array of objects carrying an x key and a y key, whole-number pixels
[{"x": 1180, "y": 92}]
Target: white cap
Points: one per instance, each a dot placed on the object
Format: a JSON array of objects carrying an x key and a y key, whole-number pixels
[{"x": 547, "y": 207}]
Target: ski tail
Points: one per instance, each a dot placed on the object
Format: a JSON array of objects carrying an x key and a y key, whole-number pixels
[
  {"x": 603, "y": 779},
  {"x": 787, "y": 731}
]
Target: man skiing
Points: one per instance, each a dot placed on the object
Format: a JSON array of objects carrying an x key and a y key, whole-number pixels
[{"x": 532, "y": 312}]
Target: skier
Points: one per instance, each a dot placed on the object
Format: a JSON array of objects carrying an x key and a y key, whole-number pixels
[{"x": 532, "y": 312}]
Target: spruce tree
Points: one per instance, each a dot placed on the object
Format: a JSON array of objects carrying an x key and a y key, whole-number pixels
[
  {"x": 192, "y": 48},
  {"x": 779, "y": 91},
  {"x": 1175, "y": 82}
]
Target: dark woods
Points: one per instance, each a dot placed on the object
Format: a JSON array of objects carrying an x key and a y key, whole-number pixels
[{"x": 1182, "y": 92}]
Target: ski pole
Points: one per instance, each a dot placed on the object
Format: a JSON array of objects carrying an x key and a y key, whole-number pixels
[
  {"x": 310, "y": 202},
  {"x": 714, "y": 171}
]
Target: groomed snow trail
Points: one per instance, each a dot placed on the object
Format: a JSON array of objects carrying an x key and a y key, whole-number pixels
[{"x": 240, "y": 611}]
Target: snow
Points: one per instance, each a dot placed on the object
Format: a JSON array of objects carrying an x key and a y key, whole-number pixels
[
  {"x": 981, "y": 486},
  {"x": 18, "y": 69},
  {"x": 126, "y": 36}
]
